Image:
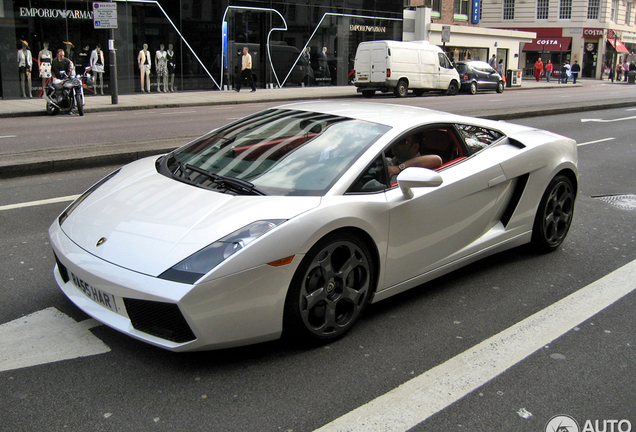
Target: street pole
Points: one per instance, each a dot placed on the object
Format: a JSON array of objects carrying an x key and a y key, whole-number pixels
[{"x": 112, "y": 60}]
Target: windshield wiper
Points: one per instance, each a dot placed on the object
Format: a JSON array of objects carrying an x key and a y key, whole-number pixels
[{"x": 231, "y": 183}]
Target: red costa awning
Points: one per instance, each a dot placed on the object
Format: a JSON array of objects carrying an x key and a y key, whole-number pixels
[
  {"x": 619, "y": 45},
  {"x": 548, "y": 44}
]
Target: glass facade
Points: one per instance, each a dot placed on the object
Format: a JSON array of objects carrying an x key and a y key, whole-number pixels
[{"x": 292, "y": 42}]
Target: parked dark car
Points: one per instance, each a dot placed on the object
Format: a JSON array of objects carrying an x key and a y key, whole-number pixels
[{"x": 478, "y": 75}]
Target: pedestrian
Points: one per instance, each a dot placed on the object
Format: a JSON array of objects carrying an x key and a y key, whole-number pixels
[
  {"x": 493, "y": 61},
  {"x": 565, "y": 72},
  {"x": 500, "y": 70},
  {"x": 625, "y": 69},
  {"x": 246, "y": 70},
  {"x": 97, "y": 66},
  {"x": 538, "y": 69},
  {"x": 576, "y": 68},
  {"x": 619, "y": 71},
  {"x": 548, "y": 70}
]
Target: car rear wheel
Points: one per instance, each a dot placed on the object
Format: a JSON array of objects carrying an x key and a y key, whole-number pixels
[
  {"x": 500, "y": 87},
  {"x": 329, "y": 290},
  {"x": 401, "y": 89},
  {"x": 473, "y": 88},
  {"x": 554, "y": 215}
]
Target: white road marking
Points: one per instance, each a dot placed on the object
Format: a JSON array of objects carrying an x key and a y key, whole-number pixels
[
  {"x": 9, "y": 136},
  {"x": 418, "y": 399},
  {"x": 40, "y": 202},
  {"x": 178, "y": 112},
  {"x": 46, "y": 336},
  {"x": 595, "y": 142},
  {"x": 608, "y": 121}
]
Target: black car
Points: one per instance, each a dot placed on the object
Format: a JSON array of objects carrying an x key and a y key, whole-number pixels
[{"x": 478, "y": 75}]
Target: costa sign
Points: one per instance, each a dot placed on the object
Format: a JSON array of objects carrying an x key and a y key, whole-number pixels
[
  {"x": 593, "y": 32},
  {"x": 547, "y": 42}
]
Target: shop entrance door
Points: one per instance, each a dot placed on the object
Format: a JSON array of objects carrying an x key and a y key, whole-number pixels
[{"x": 590, "y": 60}]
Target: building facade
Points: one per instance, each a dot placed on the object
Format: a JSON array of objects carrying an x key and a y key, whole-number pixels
[
  {"x": 292, "y": 42},
  {"x": 598, "y": 34}
]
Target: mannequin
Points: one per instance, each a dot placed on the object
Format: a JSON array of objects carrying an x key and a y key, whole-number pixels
[
  {"x": 143, "y": 59},
  {"x": 97, "y": 66},
  {"x": 161, "y": 66},
  {"x": 70, "y": 54},
  {"x": 25, "y": 63},
  {"x": 83, "y": 59},
  {"x": 44, "y": 64},
  {"x": 172, "y": 67}
]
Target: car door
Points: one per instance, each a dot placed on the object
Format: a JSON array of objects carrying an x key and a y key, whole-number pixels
[
  {"x": 490, "y": 78},
  {"x": 441, "y": 224},
  {"x": 379, "y": 64},
  {"x": 446, "y": 72}
]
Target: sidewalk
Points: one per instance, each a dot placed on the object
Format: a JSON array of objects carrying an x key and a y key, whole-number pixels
[
  {"x": 36, "y": 106},
  {"x": 19, "y": 163}
]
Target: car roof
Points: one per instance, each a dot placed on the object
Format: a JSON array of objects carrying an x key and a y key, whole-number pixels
[{"x": 397, "y": 116}]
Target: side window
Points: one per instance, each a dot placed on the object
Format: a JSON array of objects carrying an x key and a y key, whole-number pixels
[
  {"x": 478, "y": 138},
  {"x": 444, "y": 61},
  {"x": 373, "y": 179}
]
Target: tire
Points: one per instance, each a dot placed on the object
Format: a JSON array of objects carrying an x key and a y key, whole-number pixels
[
  {"x": 51, "y": 110},
  {"x": 329, "y": 290},
  {"x": 554, "y": 215},
  {"x": 80, "y": 104},
  {"x": 401, "y": 89},
  {"x": 452, "y": 89},
  {"x": 473, "y": 88},
  {"x": 500, "y": 87},
  {"x": 368, "y": 93}
]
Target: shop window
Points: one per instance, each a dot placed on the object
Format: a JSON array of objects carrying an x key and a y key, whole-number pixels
[
  {"x": 628, "y": 14},
  {"x": 543, "y": 9},
  {"x": 593, "y": 9},
  {"x": 509, "y": 9},
  {"x": 565, "y": 9}
]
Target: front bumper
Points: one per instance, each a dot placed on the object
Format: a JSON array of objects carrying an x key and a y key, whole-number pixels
[{"x": 239, "y": 309}]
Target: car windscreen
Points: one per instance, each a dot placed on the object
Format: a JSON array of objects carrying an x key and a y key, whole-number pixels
[{"x": 275, "y": 152}]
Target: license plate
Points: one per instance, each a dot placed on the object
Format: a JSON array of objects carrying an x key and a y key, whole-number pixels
[
  {"x": 97, "y": 295},
  {"x": 363, "y": 78}
]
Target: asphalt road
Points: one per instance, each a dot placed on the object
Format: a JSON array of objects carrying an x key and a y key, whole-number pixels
[{"x": 587, "y": 373}]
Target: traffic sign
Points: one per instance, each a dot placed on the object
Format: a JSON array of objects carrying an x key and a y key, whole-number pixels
[{"x": 104, "y": 15}]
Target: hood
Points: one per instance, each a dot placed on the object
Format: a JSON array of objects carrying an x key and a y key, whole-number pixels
[{"x": 151, "y": 222}]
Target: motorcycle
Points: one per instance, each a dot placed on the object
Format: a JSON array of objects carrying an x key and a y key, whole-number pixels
[{"x": 65, "y": 95}]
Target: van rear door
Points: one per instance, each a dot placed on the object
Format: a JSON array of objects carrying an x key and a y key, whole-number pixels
[{"x": 379, "y": 60}]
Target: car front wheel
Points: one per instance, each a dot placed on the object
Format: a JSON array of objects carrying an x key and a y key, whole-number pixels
[
  {"x": 554, "y": 215},
  {"x": 401, "y": 89},
  {"x": 453, "y": 88},
  {"x": 329, "y": 290},
  {"x": 500, "y": 87}
]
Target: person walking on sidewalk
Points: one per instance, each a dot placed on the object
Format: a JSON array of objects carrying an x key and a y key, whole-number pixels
[
  {"x": 246, "y": 70},
  {"x": 548, "y": 70},
  {"x": 538, "y": 69},
  {"x": 565, "y": 72},
  {"x": 576, "y": 69}
]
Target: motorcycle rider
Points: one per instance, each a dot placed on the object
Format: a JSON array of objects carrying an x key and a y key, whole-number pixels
[{"x": 59, "y": 64}]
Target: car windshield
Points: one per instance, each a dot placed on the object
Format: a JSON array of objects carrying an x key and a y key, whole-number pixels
[{"x": 274, "y": 152}]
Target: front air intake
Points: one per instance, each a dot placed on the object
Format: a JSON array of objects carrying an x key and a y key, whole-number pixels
[{"x": 163, "y": 320}]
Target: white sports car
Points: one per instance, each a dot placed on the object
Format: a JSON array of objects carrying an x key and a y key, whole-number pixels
[{"x": 287, "y": 222}]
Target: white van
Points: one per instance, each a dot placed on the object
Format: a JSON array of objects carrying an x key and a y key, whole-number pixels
[{"x": 399, "y": 66}]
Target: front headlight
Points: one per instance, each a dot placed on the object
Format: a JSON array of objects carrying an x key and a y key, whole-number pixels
[{"x": 198, "y": 264}]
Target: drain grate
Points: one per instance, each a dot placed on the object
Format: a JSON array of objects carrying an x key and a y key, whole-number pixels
[{"x": 625, "y": 202}]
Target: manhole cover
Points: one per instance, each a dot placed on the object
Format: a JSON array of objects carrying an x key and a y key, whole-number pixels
[{"x": 625, "y": 202}]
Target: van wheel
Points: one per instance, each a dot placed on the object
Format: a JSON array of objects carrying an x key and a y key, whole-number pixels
[
  {"x": 401, "y": 89},
  {"x": 368, "y": 93},
  {"x": 473, "y": 88},
  {"x": 500, "y": 87},
  {"x": 453, "y": 88}
]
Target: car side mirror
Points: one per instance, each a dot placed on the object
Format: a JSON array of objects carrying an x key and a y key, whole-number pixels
[{"x": 417, "y": 177}]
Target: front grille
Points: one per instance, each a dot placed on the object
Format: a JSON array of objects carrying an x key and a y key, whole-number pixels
[
  {"x": 163, "y": 320},
  {"x": 62, "y": 269}
]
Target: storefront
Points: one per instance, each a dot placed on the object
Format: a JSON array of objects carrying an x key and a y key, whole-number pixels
[
  {"x": 549, "y": 45},
  {"x": 292, "y": 43}
]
